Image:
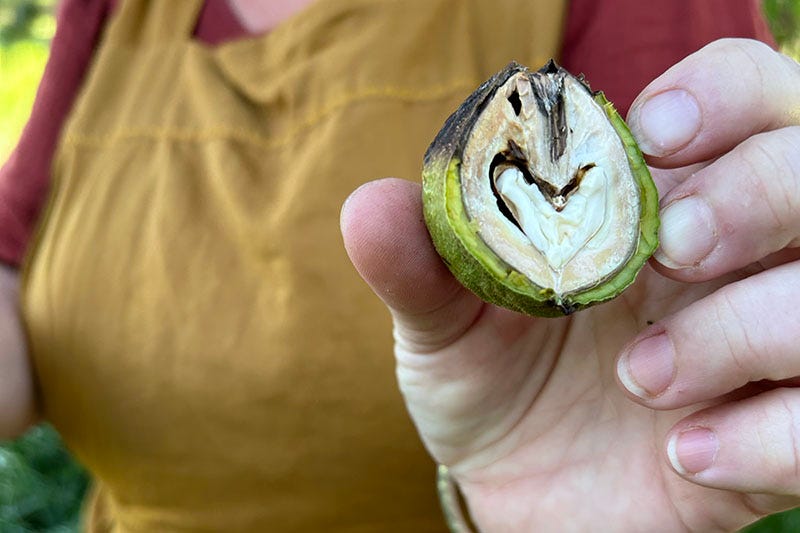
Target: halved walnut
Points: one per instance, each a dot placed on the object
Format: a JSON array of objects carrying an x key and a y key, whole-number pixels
[{"x": 536, "y": 194}]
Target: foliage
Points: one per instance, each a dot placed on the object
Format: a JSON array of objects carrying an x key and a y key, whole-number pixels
[
  {"x": 41, "y": 487},
  {"x": 21, "y": 66},
  {"x": 786, "y": 522},
  {"x": 26, "y": 20},
  {"x": 784, "y": 21}
]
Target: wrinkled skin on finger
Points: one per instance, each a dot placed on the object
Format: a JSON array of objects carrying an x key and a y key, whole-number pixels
[
  {"x": 527, "y": 412},
  {"x": 531, "y": 414}
]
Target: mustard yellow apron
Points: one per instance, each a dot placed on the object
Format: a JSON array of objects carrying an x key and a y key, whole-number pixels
[{"x": 200, "y": 338}]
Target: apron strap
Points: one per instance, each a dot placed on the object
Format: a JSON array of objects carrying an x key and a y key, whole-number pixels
[{"x": 154, "y": 21}]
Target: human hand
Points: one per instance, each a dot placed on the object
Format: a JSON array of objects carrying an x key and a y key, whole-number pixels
[
  {"x": 529, "y": 413},
  {"x": 18, "y": 405}
]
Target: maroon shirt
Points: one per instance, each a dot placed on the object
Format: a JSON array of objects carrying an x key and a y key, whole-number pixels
[{"x": 620, "y": 45}]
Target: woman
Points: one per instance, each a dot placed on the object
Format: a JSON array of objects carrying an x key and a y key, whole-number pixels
[{"x": 194, "y": 329}]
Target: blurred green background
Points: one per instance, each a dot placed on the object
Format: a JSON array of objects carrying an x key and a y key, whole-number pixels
[{"x": 41, "y": 487}]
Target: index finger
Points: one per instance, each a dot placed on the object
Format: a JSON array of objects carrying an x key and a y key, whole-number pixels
[{"x": 714, "y": 99}]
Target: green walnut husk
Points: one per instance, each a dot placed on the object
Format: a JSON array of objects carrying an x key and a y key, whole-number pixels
[{"x": 536, "y": 195}]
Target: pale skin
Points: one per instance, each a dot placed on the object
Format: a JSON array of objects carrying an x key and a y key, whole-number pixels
[{"x": 673, "y": 407}]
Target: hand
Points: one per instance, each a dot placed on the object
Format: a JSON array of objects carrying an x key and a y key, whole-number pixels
[
  {"x": 529, "y": 413},
  {"x": 18, "y": 405}
]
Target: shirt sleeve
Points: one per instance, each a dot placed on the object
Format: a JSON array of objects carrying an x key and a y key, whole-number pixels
[
  {"x": 622, "y": 45},
  {"x": 26, "y": 174},
  {"x": 25, "y": 177}
]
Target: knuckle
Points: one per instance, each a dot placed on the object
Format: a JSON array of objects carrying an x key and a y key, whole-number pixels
[
  {"x": 759, "y": 68},
  {"x": 737, "y": 342},
  {"x": 790, "y": 65},
  {"x": 758, "y": 50},
  {"x": 753, "y": 47},
  {"x": 789, "y": 463},
  {"x": 771, "y": 173},
  {"x": 752, "y": 54},
  {"x": 750, "y": 60},
  {"x": 739, "y": 60},
  {"x": 755, "y": 326},
  {"x": 753, "y": 68}
]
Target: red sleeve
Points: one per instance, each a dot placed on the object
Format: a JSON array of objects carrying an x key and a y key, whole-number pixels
[
  {"x": 622, "y": 45},
  {"x": 25, "y": 176},
  {"x": 218, "y": 24}
]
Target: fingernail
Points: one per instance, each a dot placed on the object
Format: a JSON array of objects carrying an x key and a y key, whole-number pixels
[
  {"x": 666, "y": 122},
  {"x": 647, "y": 369},
  {"x": 693, "y": 450},
  {"x": 687, "y": 233}
]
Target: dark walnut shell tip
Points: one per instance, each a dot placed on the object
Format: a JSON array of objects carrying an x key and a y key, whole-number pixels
[{"x": 537, "y": 196}]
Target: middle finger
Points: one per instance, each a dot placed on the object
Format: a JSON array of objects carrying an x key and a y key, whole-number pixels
[
  {"x": 738, "y": 210},
  {"x": 743, "y": 332}
]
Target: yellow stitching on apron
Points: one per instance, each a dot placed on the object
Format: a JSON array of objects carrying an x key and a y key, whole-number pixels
[{"x": 252, "y": 137}]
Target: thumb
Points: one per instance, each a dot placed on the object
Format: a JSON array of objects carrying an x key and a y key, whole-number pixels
[{"x": 387, "y": 241}]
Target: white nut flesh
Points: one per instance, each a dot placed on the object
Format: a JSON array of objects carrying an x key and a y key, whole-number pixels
[{"x": 548, "y": 153}]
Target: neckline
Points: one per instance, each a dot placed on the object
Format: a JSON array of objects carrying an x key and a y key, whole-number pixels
[
  {"x": 268, "y": 15},
  {"x": 247, "y": 40}
]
